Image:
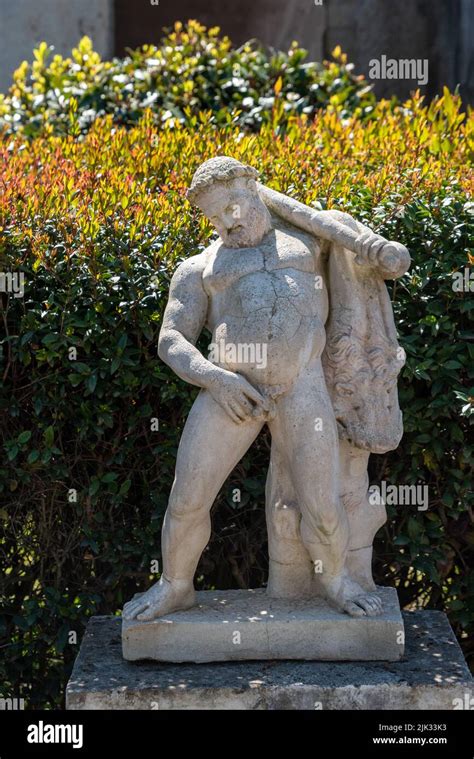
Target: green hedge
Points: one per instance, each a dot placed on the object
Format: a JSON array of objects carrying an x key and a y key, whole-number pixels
[{"x": 192, "y": 71}]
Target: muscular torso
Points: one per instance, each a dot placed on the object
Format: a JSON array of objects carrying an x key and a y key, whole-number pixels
[{"x": 267, "y": 306}]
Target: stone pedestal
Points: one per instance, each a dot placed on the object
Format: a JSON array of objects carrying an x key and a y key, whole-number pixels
[
  {"x": 431, "y": 675},
  {"x": 236, "y": 625}
]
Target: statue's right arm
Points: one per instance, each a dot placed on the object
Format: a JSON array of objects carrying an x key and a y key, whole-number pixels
[
  {"x": 390, "y": 258},
  {"x": 183, "y": 320}
]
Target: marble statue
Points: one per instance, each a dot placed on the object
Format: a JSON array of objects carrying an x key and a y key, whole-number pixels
[{"x": 304, "y": 341}]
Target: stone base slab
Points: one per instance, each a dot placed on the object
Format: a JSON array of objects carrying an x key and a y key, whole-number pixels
[
  {"x": 238, "y": 625},
  {"x": 432, "y": 675}
]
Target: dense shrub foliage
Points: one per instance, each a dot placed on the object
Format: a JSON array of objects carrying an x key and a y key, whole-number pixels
[
  {"x": 193, "y": 70},
  {"x": 97, "y": 226}
]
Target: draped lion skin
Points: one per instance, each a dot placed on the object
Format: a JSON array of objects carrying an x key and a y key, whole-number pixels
[{"x": 309, "y": 286}]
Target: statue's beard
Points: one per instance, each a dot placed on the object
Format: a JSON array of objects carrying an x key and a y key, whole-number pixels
[{"x": 249, "y": 231}]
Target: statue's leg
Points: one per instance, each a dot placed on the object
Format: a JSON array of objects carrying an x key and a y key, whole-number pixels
[
  {"x": 365, "y": 515},
  {"x": 210, "y": 447},
  {"x": 290, "y": 570},
  {"x": 304, "y": 429}
]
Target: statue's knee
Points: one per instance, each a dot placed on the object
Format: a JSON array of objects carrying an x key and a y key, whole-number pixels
[
  {"x": 328, "y": 519},
  {"x": 329, "y": 523},
  {"x": 191, "y": 507}
]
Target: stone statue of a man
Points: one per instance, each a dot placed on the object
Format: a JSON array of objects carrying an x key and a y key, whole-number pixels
[{"x": 261, "y": 290}]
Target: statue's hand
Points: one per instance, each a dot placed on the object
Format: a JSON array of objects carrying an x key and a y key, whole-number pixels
[
  {"x": 238, "y": 397},
  {"x": 394, "y": 259},
  {"x": 373, "y": 250}
]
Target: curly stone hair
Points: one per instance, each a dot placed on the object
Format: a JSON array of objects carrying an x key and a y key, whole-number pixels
[{"x": 219, "y": 169}]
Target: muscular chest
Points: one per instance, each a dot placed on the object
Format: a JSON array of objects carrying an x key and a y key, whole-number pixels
[{"x": 255, "y": 268}]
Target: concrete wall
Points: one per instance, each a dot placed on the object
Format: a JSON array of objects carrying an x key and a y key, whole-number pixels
[
  {"x": 273, "y": 22},
  {"x": 441, "y": 31},
  {"x": 25, "y": 23}
]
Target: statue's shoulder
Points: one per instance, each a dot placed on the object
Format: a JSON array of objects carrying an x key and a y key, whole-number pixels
[
  {"x": 284, "y": 230},
  {"x": 190, "y": 269},
  {"x": 211, "y": 250}
]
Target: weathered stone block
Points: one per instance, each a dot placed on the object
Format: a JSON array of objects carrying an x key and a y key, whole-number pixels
[
  {"x": 247, "y": 624},
  {"x": 431, "y": 675}
]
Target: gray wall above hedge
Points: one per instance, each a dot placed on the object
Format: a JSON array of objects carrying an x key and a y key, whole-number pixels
[{"x": 441, "y": 31}]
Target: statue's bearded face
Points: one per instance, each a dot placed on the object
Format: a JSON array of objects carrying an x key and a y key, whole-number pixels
[{"x": 236, "y": 211}]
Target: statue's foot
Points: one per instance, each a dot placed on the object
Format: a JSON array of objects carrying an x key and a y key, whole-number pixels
[
  {"x": 162, "y": 598},
  {"x": 347, "y": 595}
]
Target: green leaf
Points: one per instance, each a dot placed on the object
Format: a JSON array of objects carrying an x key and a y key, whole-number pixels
[
  {"x": 423, "y": 438},
  {"x": 115, "y": 365},
  {"x": 75, "y": 379},
  {"x": 94, "y": 487},
  {"x": 92, "y": 382},
  {"x": 401, "y": 540},
  {"x": 122, "y": 342},
  {"x": 12, "y": 452},
  {"x": 109, "y": 477},
  {"x": 125, "y": 487},
  {"x": 49, "y": 436},
  {"x": 80, "y": 367}
]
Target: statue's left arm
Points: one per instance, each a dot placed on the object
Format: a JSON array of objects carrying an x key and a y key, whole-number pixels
[{"x": 390, "y": 258}]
